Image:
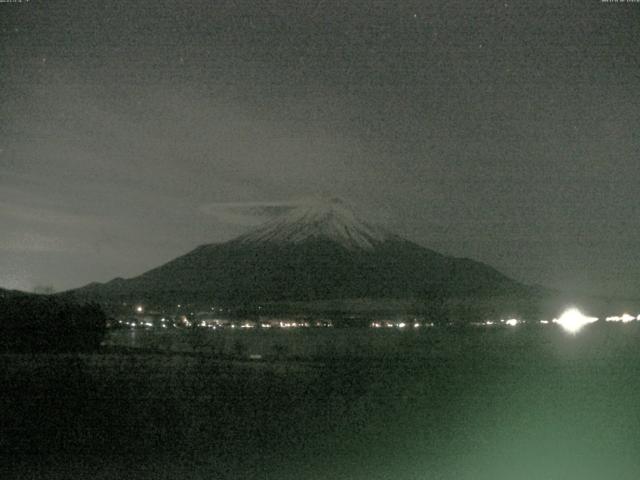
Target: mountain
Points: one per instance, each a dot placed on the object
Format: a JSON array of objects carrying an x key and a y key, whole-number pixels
[
  {"x": 317, "y": 251},
  {"x": 328, "y": 219}
]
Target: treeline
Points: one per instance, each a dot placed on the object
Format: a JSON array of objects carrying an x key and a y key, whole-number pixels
[{"x": 39, "y": 323}]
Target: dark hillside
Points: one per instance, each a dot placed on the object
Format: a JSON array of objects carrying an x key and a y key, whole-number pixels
[{"x": 39, "y": 323}]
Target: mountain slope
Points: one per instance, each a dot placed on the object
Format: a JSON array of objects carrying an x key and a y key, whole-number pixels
[{"x": 319, "y": 250}]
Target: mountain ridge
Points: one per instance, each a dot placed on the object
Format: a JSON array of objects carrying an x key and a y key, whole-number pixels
[{"x": 317, "y": 251}]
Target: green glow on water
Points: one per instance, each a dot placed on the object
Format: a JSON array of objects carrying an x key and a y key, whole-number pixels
[{"x": 513, "y": 403}]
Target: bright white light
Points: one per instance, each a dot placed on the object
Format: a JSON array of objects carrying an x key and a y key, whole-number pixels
[
  {"x": 512, "y": 322},
  {"x": 544, "y": 322},
  {"x": 139, "y": 309},
  {"x": 573, "y": 320},
  {"x": 625, "y": 318},
  {"x": 402, "y": 325}
]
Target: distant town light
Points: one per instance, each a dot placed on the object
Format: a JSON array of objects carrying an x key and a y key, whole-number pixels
[
  {"x": 572, "y": 320},
  {"x": 139, "y": 309},
  {"x": 512, "y": 322},
  {"x": 624, "y": 318}
]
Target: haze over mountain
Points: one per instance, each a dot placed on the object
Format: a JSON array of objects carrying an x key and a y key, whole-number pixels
[{"x": 319, "y": 250}]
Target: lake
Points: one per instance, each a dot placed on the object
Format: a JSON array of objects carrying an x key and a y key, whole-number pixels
[{"x": 498, "y": 403}]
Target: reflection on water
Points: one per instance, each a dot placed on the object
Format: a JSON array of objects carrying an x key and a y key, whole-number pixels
[
  {"x": 473, "y": 404},
  {"x": 591, "y": 339}
]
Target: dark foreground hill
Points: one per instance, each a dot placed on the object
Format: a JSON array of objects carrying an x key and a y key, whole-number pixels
[{"x": 42, "y": 323}]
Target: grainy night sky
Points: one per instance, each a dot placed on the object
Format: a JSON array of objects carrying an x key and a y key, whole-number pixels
[{"x": 504, "y": 131}]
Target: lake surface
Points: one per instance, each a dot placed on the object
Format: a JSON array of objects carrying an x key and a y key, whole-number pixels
[{"x": 521, "y": 403}]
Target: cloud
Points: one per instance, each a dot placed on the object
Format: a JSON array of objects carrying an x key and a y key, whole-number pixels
[
  {"x": 246, "y": 213},
  {"x": 46, "y": 215},
  {"x": 34, "y": 242}
]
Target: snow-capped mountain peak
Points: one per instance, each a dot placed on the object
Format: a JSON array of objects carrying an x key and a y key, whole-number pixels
[{"x": 328, "y": 219}]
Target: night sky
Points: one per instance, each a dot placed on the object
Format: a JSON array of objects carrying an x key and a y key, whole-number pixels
[{"x": 133, "y": 131}]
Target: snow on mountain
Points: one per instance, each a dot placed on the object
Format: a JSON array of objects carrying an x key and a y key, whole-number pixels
[
  {"x": 319, "y": 250},
  {"x": 328, "y": 219}
]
